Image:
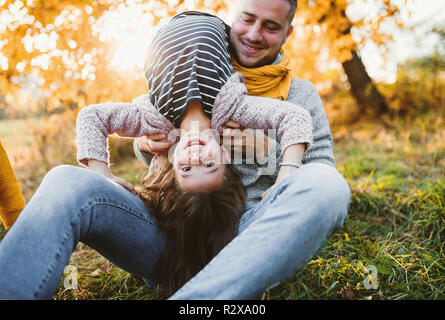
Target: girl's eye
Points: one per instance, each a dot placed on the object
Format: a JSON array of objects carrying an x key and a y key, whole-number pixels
[
  {"x": 186, "y": 169},
  {"x": 209, "y": 164}
]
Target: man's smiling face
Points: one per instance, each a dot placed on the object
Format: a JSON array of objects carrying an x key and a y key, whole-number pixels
[{"x": 259, "y": 30}]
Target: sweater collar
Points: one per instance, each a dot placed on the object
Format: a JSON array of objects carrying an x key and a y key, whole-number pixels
[{"x": 277, "y": 59}]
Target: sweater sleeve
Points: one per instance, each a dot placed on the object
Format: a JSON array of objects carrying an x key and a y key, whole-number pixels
[
  {"x": 304, "y": 93},
  {"x": 11, "y": 199},
  {"x": 292, "y": 123},
  {"x": 94, "y": 124}
]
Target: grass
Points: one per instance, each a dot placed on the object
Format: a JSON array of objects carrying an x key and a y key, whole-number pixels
[
  {"x": 15, "y": 132},
  {"x": 395, "y": 223}
]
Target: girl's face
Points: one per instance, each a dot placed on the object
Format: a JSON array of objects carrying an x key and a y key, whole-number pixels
[{"x": 199, "y": 161}]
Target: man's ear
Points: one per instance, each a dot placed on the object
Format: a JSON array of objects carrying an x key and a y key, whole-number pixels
[{"x": 289, "y": 31}]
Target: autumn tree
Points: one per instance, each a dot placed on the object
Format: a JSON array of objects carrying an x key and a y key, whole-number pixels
[
  {"x": 327, "y": 24},
  {"x": 58, "y": 45},
  {"x": 324, "y": 31}
]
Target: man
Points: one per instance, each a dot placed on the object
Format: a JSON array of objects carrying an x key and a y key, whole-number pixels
[
  {"x": 283, "y": 228},
  {"x": 278, "y": 233}
]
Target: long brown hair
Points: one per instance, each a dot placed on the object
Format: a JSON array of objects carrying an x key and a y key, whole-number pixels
[{"x": 197, "y": 225}]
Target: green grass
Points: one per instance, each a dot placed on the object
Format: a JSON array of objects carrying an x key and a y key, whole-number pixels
[{"x": 396, "y": 223}]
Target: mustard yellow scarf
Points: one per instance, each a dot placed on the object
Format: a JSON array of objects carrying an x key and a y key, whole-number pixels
[{"x": 268, "y": 81}]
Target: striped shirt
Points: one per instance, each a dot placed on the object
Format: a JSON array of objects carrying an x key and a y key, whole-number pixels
[{"x": 188, "y": 59}]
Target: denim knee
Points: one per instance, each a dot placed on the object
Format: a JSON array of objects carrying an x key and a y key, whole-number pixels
[
  {"x": 326, "y": 185},
  {"x": 330, "y": 182},
  {"x": 67, "y": 186},
  {"x": 61, "y": 173},
  {"x": 68, "y": 178}
]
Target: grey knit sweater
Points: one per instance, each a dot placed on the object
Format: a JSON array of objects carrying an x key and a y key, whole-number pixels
[{"x": 304, "y": 94}]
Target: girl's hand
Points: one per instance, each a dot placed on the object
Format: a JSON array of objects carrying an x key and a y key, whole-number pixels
[
  {"x": 268, "y": 190},
  {"x": 103, "y": 169},
  {"x": 283, "y": 173},
  {"x": 127, "y": 185}
]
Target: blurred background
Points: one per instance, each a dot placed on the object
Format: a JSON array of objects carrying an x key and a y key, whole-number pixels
[
  {"x": 367, "y": 58},
  {"x": 379, "y": 66}
]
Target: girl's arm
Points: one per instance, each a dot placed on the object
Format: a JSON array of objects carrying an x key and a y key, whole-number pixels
[
  {"x": 292, "y": 154},
  {"x": 291, "y": 122},
  {"x": 94, "y": 124}
]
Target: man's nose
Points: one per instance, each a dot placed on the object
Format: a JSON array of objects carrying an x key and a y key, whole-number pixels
[{"x": 254, "y": 33}]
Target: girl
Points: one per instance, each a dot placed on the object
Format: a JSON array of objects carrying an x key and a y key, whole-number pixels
[{"x": 195, "y": 196}]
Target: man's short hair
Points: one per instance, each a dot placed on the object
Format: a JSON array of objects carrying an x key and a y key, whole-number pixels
[{"x": 293, "y": 9}]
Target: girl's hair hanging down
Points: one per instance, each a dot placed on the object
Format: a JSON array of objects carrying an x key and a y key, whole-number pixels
[{"x": 197, "y": 225}]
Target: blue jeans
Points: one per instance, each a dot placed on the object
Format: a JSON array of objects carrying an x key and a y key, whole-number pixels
[{"x": 276, "y": 237}]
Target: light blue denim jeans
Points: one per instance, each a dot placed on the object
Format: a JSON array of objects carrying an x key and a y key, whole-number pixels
[{"x": 276, "y": 237}]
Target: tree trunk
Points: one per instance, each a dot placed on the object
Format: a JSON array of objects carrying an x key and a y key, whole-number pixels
[{"x": 369, "y": 99}]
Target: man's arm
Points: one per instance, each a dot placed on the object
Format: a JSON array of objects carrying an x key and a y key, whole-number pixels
[{"x": 304, "y": 94}]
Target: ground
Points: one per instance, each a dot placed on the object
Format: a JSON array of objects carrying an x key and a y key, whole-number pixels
[{"x": 393, "y": 235}]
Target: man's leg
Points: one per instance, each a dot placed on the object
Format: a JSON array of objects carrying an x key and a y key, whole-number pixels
[
  {"x": 281, "y": 234},
  {"x": 74, "y": 204}
]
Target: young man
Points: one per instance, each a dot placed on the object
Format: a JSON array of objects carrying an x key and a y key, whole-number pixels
[
  {"x": 281, "y": 230},
  {"x": 278, "y": 233}
]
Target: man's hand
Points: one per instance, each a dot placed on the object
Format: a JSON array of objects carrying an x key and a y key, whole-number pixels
[
  {"x": 243, "y": 142},
  {"x": 156, "y": 144}
]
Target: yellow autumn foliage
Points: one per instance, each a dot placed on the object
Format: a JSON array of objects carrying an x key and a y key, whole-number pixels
[
  {"x": 72, "y": 66},
  {"x": 58, "y": 59}
]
